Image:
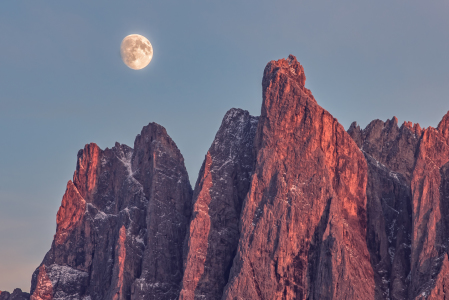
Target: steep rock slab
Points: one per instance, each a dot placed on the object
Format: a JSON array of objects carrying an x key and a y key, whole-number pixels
[
  {"x": 222, "y": 185},
  {"x": 389, "y": 227},
  {"x": 121, "y": 224},
  {"x": 303, "y": 223},
  {"x": 430, "y": 234},
  {"x": 156, "y": 157},
  {"x": 441, "y": 282}
]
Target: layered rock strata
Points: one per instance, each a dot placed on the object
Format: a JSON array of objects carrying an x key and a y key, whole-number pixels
[{"x": 121, "y": 224}]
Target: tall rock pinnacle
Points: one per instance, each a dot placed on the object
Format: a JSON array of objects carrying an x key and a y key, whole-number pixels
[
  {"x": 303, "y": 223},
  {"x": 121, "y": 224},
  {"x": 222, "y": 185}
]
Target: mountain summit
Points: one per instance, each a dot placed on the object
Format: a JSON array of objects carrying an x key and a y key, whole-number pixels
[{"x": 287, "y": 205}]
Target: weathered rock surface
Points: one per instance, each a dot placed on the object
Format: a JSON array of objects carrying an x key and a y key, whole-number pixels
[
  {"x": 222, "y": 185},
  {"x": 390, "y": 153},
  {"x": 17, "y": 294},
  {"x": 121, "y": 224},
  {"x": 287, "y": 205},
  {"x": 303, "y": 224},
  {"x": 408, "y": 220},
  {"x": 430, "y": 212}
]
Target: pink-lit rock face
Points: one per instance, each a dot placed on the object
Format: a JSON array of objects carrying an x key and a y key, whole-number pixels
[
  {"x": 303, "y": 224},
  {"x": 85, "y": 176},
  {"x": 45, "y": 290},
  {"x": 120, "y": 251},
  {"x": 121, "y": 224},
  {"x": 70, "y": 213},
  {"x": 430, "y": 235},
  {"x": 443, "y": 127},
  {"x": 287, "y": 205}
]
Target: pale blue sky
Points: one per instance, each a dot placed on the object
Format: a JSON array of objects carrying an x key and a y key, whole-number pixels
[{"x": 63, "y": 84}]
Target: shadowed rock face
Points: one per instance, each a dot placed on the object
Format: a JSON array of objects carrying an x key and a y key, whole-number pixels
[
  {"x": 303, "y": 224},
  {"x": 121, "y": 224},
  {"x": 222, "y": 185},
  {"x": 390, "y": 153},
  {"x": 16, "y": 295},
  {"x": 407, "y": 207}
]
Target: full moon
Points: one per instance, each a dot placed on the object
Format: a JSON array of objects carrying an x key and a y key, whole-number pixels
[{"x": 136, "y": 51}]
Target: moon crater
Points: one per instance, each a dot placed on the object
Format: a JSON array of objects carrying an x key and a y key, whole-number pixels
[{"x": 136, "y": 51}]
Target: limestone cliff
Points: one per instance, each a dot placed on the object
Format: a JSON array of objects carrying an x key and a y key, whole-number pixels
[{"x": 121, "y": 224}]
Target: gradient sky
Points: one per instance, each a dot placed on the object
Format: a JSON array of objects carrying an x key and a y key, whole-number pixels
[{"x": 63, "y": 84}]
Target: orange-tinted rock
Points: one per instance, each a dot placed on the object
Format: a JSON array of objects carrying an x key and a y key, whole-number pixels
[
  {"x": 429, "y": 238},
  {"x": 443, "y": 127},
  {"x": 45, "y": 290},
  {"x": 119, "y": 271},
  {"x": 85, "y": 176},
  {"x": 70, "y": 213},
  {"x": 121, "y": 224},
  {"x": 303, "y": 223}
]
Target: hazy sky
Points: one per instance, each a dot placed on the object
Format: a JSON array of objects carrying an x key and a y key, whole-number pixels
[{"x": 63, "y": 84}]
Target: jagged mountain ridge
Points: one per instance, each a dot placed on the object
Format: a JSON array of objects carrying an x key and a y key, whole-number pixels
[
  {"x": 409, "y": 216},
  {"x": 287, "y": 205},
  {"x": 17, "y": 294}
]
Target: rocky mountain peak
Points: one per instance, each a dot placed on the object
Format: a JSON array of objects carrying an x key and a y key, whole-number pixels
[
  {"x": 287, "y": 73},
  {"x": 356, "y": 133},
  {"x": 222, "y": 185},
  {"x": 414, "y": 128},
  {"x": 289, "y": 67},
  {"x": 287, "y": 205},
  {"x": 121, "y": 224},
  {"x": 306, "y": 203},
  {"x": 392, "y": 123},
  {"x": 443, "y": 126}
]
